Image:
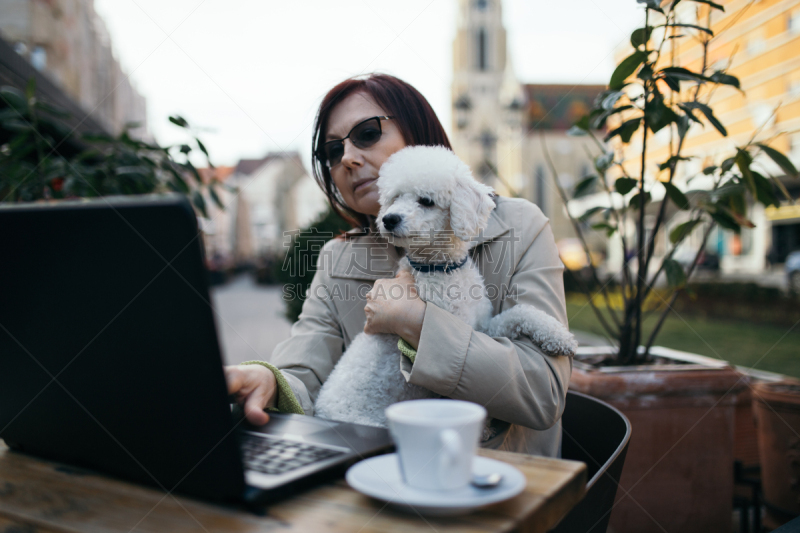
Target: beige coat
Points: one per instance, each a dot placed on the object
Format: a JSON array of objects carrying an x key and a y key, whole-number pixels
[{"x": 514, "y": 380}]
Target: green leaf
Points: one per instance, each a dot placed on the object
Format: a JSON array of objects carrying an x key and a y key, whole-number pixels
[
  {"x": 677, "y": 196},
  {"x": 709, "y": 170},
  {"x": 674, "y": 159},
  {"x": 599, "y": 120},
  {"x": 693, "y": 26},
  {"x": 185, "y": 148},
  {"x": 14, "y": 124},
  {"x": 725, "y": 220},
  {"x": 709, "y": 115},
  {"x": 636, "y": 200},
  {"x": 603, "y": 161},
  {"x": 683, "y": 123},
  {"x": 201, "y": 146},
  {"x": 709, "y": 3},
  {"x": 580, "y": 128},
  {"x": 672, "y": 83},
  {"x": 215, "y": 198},
  {"x": 625, "y": 131},
  {"x": 727, "y": 164},
  {"x": 655, "y": 5},
  {"x": 765, "y": 192},
  {"x": 658, "y": 115},
  {"x": 194, "y": 172},
  {"x": 575, "y": 131},
  {"x": 626, "y": 68},
  {"x": 646, "y": 72},
  {"x": 743, "y": 161},
  {"x": 609, "y": 229},
  {"x": 30, "y": 88},
  {"x": 200, "y": 203},
  {"x": 725, "y": 79},
  {"x": 691, "y": 115},
  {"x": 682, "y": 231},
  {"x": 640, "y": 36},
  {"x": 179, "y": 121},
  {"x": 782, "y": 188},
  {"x": 676, "y": 277},
  {"x": 781, "y": 160},
  {"x": 611, "y": 99},
  {"x": 739, "y": 218},
  {"x": 589, "y": 213},
  {"x": 682, "y": 74},
  {"x": 625, "y": 185},
  {"x": 585, "y": 187},
  {"x": 14, "y": 98}
]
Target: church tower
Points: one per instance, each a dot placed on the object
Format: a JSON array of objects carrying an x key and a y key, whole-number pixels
[{"x": 486, "y": 98}]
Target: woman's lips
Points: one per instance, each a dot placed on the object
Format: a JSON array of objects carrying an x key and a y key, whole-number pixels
[{"x": 364, "y": 184}]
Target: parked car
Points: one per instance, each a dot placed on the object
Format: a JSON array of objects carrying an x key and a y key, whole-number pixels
[{"x": 793, "y": 271}]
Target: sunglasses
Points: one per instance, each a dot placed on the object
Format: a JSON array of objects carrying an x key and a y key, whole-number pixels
[{"x": 363, "y": 135}]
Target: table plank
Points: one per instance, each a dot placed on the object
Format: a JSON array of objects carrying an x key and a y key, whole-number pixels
[{"x": 43, "y": 496}]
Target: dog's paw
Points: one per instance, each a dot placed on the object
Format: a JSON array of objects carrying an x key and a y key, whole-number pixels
[{"x": 545, "y": 331}]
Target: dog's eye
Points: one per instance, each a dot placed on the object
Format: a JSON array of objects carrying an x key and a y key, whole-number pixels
[{"x": 425, "y": 202}]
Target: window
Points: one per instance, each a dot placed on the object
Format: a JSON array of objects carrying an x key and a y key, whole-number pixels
[
  {"x": 482, "y": 63},
  {"x": 793, "y": 22},
  {"x": 21, "y": 48},
  {"x": 793, "y": 88},
  {"x": 39, "y": 57},
  {"x": 756, "y": 45}
]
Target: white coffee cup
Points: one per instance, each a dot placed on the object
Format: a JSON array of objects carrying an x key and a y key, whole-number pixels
[{"x": 436, "y": 441}]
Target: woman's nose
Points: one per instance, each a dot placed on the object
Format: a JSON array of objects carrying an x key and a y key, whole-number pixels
[{"x": 352, "y": 156}]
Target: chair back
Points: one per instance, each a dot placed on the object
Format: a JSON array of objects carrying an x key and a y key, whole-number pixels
[{"x": 597, "y": 434}]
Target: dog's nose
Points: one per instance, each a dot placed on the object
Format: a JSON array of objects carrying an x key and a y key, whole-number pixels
[{"x": 390, "y": 221}]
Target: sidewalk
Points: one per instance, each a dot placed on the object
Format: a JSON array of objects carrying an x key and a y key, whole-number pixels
[{"x": 249, "y": 318}]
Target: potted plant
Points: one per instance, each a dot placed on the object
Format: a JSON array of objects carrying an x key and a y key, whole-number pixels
[
  {"x": 678, "y": 474},
  {"x": 43, "y": 158}
]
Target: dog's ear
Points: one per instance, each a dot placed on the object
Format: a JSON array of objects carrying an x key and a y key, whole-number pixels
[{"x": 470, "y": 207}]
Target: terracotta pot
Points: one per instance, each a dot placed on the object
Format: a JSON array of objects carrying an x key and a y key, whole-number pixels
[
  {"x": 777, "y": 411},
  {"x": 678, "y": 473}
]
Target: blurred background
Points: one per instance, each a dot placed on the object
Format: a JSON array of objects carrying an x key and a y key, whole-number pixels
[{"x": 505, "y": 77}]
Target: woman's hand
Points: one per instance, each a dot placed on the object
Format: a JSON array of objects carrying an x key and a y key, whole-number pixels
[
  {"x": 393, "y": 306},
  {"x": 255, "y": 388}
]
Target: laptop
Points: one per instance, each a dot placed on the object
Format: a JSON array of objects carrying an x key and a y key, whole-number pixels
[{"x": 110, "y": 359}]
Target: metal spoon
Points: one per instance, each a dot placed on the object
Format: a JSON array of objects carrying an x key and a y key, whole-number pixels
[{"x": 486, "y": 481}]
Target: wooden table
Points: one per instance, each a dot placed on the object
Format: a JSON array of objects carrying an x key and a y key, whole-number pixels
[{"x": 43, "y": 497}]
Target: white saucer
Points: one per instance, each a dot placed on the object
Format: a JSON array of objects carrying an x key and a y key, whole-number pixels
[{"x": 379, "y": 477}]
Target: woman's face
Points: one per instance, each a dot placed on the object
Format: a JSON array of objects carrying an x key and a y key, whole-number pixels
[{"x": 356, "y": 176}]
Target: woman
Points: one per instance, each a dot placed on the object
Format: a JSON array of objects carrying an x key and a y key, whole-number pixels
[{"x": 360, "y": 123}]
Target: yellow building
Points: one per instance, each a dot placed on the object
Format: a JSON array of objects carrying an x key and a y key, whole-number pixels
[{"x": 758, "y": 42}]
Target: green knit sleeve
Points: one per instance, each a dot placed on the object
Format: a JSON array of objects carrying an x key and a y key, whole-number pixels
[
  {"x": 287, "y": 402},
  {"x": 407, "y": 350}
]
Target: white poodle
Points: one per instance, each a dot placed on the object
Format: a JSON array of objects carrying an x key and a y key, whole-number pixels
[{"x": 432, "y": 207}]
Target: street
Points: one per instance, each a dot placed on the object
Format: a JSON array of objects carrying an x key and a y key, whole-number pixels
[{"x": 249, "y": 319}]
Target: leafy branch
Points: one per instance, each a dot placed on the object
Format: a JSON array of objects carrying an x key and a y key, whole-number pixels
[{"x": 647, "y": 93}]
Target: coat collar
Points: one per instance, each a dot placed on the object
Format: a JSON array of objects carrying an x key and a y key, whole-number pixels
[{"x": 372, "y": 257}]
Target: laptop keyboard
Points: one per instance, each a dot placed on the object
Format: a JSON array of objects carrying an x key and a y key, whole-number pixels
[{"x": 270, "y": 455}]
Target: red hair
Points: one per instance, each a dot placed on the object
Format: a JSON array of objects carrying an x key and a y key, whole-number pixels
[{"x": 412, "y": 113}]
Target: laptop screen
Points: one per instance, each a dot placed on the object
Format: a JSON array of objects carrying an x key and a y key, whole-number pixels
[{"x": 110, "y": 357}]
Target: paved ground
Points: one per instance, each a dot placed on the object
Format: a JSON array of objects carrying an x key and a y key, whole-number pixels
[{"x": 249, "y": 318}]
